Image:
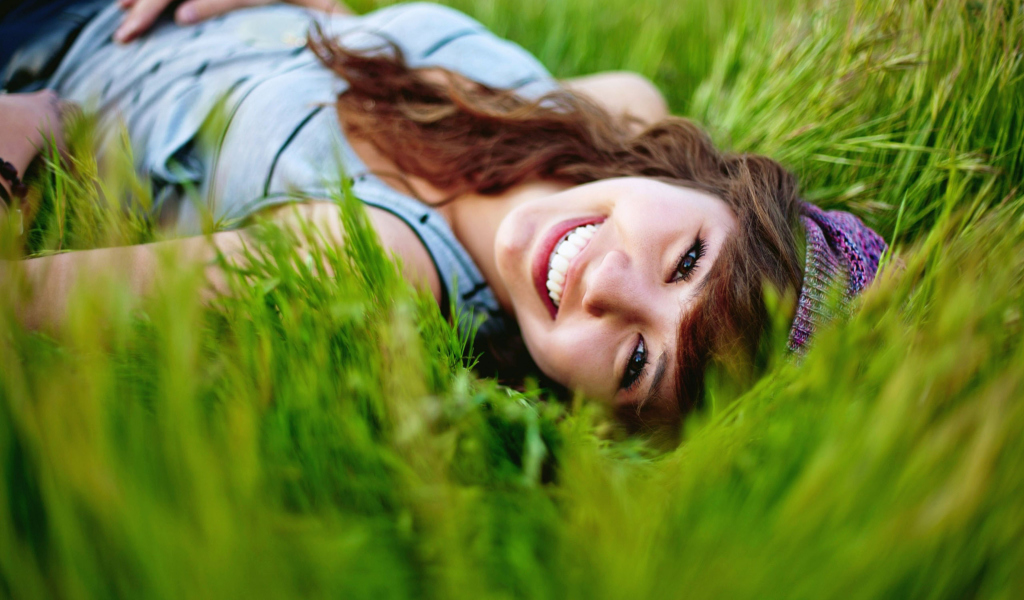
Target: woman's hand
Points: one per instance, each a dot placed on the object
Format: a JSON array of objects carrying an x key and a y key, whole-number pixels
[
  {"x": 28, "y": 123},
  {"x": 141, "y": 14}
]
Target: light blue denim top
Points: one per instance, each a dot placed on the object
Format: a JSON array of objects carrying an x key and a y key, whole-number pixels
[{"x": 282, "y": 137}]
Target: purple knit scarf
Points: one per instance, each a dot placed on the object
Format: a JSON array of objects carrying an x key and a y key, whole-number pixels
[{"x": 841, "y": 250}]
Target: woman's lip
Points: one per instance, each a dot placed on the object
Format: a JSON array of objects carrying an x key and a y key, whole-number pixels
[{"x": 543, "y": 256}]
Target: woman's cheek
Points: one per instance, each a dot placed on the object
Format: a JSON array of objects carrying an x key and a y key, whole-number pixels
[
  {"x": 557, "y": 360},
  {"x": 575, "y": 361}
]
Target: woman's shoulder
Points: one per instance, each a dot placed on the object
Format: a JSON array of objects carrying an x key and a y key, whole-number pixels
[
  {"x": 422, "y": 14},
  {"x": 420, "y": 29},
  {"x": 430, "y": 35}
]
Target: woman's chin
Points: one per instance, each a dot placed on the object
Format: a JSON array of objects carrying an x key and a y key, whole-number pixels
[{"x": 512, "y": 243}]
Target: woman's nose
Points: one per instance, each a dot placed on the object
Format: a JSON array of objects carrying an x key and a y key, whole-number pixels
[{"x": 611, "y": 287}]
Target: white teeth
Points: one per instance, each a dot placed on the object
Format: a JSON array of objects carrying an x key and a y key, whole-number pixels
[
  {"x": 568, "y": 249},
  {"x": 565, "y": 251}
]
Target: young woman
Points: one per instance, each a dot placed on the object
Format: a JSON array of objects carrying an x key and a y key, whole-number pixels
[{"x": 625, "y": 250}]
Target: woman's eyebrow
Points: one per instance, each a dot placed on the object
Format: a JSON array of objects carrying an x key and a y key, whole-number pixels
[{"x": 659, "y": 374}]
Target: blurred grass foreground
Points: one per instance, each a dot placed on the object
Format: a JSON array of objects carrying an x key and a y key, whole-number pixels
[{"x": 321, "y": 436}]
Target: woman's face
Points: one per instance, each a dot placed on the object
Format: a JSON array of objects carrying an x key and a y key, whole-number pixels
[{"x": 599, "y": 277}]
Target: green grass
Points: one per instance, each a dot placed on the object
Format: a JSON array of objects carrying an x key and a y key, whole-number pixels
[{"x": 321, "y": 436}]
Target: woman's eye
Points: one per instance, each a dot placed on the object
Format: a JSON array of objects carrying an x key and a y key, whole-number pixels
[
  {"x": 634, "y": 366},
  {"x": 688, "y": 263}
]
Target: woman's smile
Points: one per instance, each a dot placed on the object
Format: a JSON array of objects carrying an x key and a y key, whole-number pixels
[{"x": 557, "y": 256}]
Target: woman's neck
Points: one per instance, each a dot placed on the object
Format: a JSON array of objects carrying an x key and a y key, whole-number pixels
[{"x": 474, "y": 218}]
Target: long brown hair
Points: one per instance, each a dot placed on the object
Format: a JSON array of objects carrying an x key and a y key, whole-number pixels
[{"x": 465, "y": 137}]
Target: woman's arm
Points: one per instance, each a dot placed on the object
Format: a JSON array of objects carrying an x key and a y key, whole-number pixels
[
  {"x": 623, "y": 93},
  {"x": 51, "y": 279},
  {"x": 141, "y": 14}
]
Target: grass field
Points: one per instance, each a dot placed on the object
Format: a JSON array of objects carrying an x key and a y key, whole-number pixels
[{"x": 312, "y": 436}]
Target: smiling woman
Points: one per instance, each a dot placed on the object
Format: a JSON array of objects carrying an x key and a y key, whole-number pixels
[
  {"x": 612, "y": 287},
  {"x": 625, "y": 252}
]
